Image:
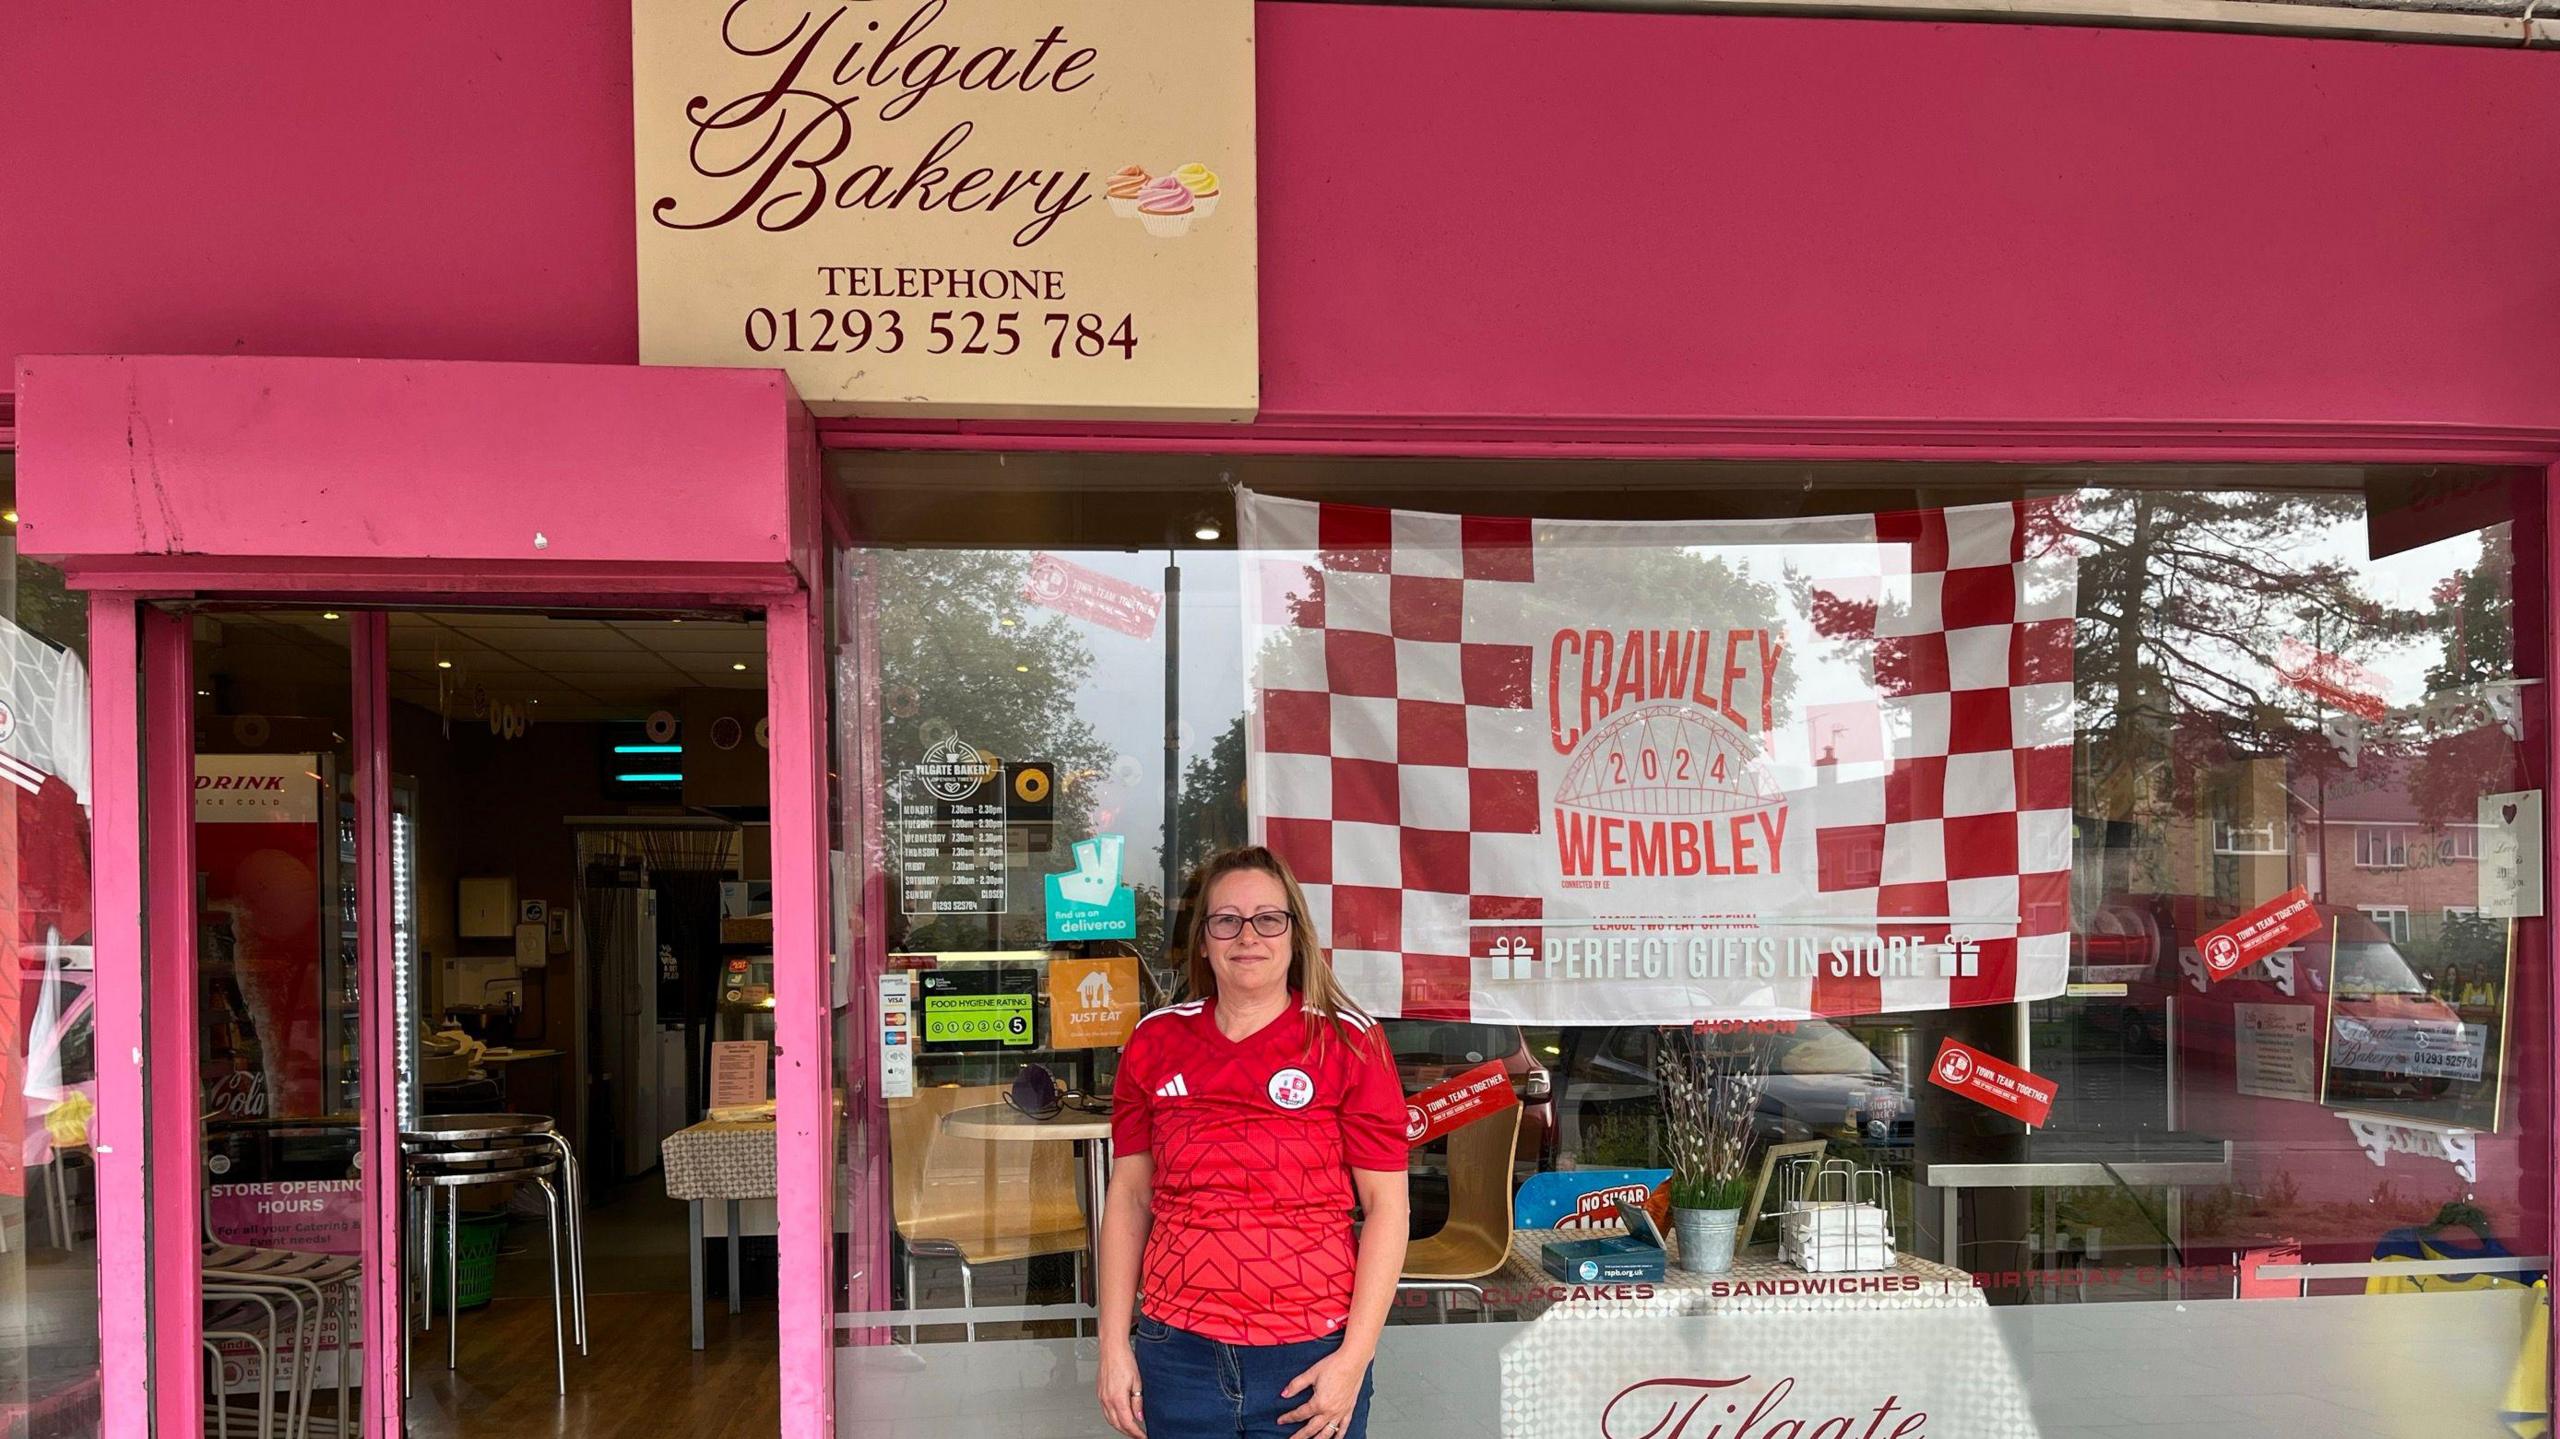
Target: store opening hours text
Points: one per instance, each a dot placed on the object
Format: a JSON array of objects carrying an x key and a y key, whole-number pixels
[{"x": 824, "y": 331}]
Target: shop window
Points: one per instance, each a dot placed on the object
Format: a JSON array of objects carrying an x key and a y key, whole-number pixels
[
  {"x": 48, "y": 1068},
  {"x": 1331, "y": 689}
]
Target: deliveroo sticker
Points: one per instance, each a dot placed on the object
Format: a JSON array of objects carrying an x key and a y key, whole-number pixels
[{"x": 1090, "y": 902}]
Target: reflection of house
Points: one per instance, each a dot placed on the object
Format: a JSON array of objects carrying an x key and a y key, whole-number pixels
[
  {"x": 2367, "y": 845},
  {"x": 2355, "y": 838}
]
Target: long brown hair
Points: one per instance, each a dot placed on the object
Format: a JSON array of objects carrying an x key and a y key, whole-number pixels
[{"x": 1310, "y": 973}]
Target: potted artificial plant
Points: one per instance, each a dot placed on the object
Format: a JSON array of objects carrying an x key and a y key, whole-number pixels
[{"x": 1710, "y": 1084}]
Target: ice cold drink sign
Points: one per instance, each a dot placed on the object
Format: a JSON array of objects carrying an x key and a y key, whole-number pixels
[{"x": 953, "y": 207}]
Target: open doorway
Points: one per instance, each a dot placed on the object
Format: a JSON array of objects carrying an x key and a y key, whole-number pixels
[{"x": 581, "y": 957}]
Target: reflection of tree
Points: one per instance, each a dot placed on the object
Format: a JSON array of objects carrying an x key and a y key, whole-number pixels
[
  {"x": 959, "y": 656},
  {"x": 2475, "y": 616},
  {"x": 1212, "y": 805},
  {"x": 2186, "y": 596},
  {"x": 45, "y": 608}
]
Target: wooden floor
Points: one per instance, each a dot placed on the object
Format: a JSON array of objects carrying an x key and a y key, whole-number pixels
[{"x": 640, "y": 1377}]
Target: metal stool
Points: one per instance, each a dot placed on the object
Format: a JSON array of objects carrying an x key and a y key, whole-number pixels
[
  {"x": 458, "y": 1152},
  {"x": 442, "y": 1131}
]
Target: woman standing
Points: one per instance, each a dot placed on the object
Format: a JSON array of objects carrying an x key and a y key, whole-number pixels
[{"x": 1245, "y": 1122}]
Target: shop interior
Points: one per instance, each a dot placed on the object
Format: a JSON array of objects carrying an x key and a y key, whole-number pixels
[{"x": 581, "y": 870}]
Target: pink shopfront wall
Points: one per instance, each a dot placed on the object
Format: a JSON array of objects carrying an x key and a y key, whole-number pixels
[{"x": 1680, "y": 228}]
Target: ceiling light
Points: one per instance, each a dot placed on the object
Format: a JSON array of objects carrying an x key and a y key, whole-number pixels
[
  {"x": 328, "y": 614},
  {"x": 8, "y": 517},
  {"x": 1022, "y": 669},
  {"x": 204, "y": 694},
  {"x": 1006, "y": 621},
  {"x": 444, "y": 664},
  {"x": 740, "y": 665},
  {"x": 1206, "y": 528}
]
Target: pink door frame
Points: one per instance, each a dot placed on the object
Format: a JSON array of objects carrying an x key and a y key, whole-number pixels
[
  {"x": 384, "y": 484},
  {"x": 795, "y": 658}
]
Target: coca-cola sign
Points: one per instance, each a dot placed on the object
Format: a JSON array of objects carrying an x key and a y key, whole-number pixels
[{"x": 1748, "y": 1407}]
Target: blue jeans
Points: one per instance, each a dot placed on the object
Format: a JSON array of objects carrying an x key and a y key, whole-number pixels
[{"x": 1196, "y": 1388}]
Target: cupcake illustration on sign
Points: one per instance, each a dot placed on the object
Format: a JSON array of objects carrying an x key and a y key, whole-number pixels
[
  {"x": 1122, "y": 190},
  {"x": 1166, "y": 204},
  {"x": 1165, "y": 207},
  {"x": 1202, "y": 182}
]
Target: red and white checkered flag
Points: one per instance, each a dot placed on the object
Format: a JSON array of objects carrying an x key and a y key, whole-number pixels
[{"x": 1586, "y": 772}]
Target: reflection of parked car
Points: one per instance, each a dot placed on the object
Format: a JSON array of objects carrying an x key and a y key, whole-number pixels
[
  {"x": 1823, "y": 1084},
  {"x": 2384, "y": 1027}
]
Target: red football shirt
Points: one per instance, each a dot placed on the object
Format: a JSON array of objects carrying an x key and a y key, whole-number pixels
[{"x": 1254, "y": 1143}]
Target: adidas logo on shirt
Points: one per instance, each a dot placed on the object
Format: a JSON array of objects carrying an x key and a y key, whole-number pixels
[{"x": 1173, "y": 1088}]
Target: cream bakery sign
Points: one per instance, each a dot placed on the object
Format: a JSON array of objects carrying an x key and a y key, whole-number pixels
[{"x": 953, "y": 207}]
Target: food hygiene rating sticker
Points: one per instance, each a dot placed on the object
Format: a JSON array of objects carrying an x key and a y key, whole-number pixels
[{"x": 960, "y": 1018}]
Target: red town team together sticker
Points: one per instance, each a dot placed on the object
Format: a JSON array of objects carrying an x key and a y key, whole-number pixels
[
  {"x": 2257, "y": 934},
  {"x": 1992, "y": 1082},
  {"x": 1071, "y": 589},
  {"x": 1457, "y": 1101}
]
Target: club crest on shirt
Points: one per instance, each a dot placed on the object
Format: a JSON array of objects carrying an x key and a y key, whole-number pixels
[
  {"x": 8, "y": 722},
  {"x": 1292, "y": 1089}
]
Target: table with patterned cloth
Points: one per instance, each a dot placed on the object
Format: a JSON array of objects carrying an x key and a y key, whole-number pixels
[
  {"x": 723, "y": 1159},
  {"x": 1853, "y": 1354}
]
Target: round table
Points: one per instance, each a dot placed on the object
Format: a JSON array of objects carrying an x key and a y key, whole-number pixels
[{"x": 1091, "y": 1134}]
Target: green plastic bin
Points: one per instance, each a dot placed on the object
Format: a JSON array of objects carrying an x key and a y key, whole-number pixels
[{"x": 478, "y": 1260}]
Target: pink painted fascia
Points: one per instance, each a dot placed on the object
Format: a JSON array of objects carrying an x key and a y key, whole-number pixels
[
  {"x": 167, "y": 777},
  {"x": 122, "y": 975},
  {"x": 2042, "y": 441},
  {"x": 804, "y": 1068},
  {"x": 339, "y": 460}
]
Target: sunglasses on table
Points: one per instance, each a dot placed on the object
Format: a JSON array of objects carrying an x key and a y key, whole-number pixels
[{"x": 1270, "y": 924}]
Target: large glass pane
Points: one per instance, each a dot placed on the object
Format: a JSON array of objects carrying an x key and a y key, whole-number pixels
[
  {"x": 48, "y": 1071},
  {"x": 2279, "y": 967}
]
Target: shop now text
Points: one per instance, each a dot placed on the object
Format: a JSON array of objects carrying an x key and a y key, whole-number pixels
[{"x": 821, "y": 331}]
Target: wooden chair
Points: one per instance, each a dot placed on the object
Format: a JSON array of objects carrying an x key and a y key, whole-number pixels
[
  {"x": 1476, "y": 1240},
  {"x": 973, "y": 1201}
]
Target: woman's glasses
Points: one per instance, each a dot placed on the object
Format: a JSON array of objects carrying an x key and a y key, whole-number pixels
[{"x": 1270, "y": 924}]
